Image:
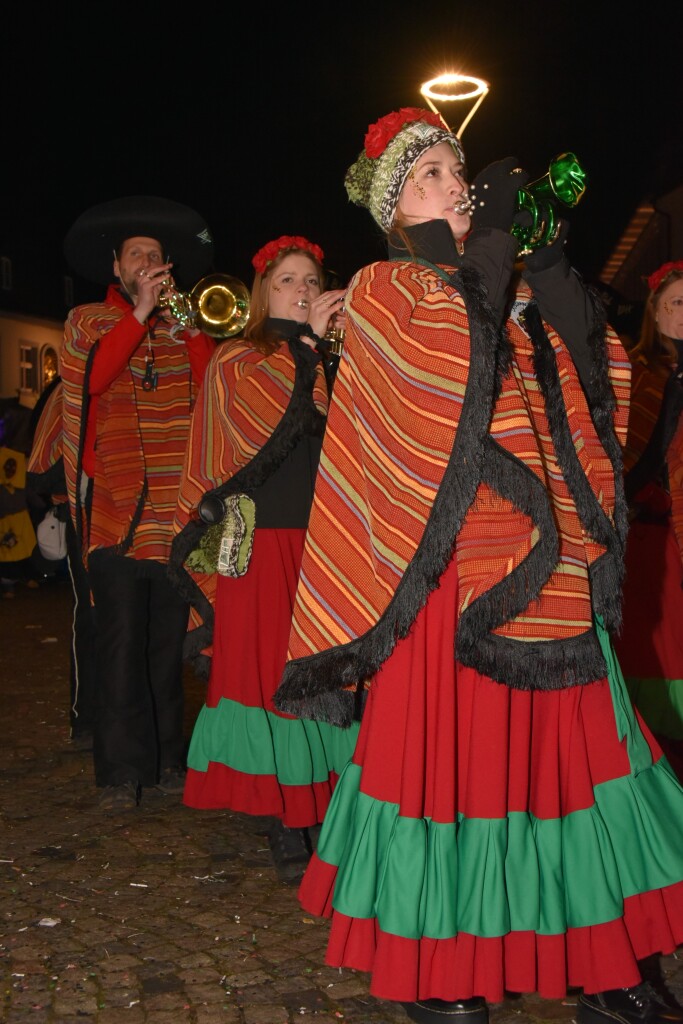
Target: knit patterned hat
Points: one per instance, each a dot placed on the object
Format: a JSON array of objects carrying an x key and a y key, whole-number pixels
[{"x": 393, "y": 145}]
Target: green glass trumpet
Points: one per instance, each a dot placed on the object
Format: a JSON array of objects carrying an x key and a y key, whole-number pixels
[{"x": 564, "y": 182}]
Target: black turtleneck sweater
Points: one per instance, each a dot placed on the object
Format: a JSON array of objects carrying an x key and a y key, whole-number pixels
[{"x": 284, "y": 499}]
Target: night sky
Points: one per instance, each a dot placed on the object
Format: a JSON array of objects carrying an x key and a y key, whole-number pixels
[{"x": 252, "y": 117}]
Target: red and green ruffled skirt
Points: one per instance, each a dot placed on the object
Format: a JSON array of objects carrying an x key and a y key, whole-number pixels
[
  {"x": 485, "y": 840},
  {"x": 650, "y": 647},
  {"x": 244, "y": 755}
]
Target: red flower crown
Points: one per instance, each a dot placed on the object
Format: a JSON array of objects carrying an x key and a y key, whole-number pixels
[
  {"x": 380, "y": 134},
  {"x": 655, "y": 279},
  {"x": 265, "y": 256}
]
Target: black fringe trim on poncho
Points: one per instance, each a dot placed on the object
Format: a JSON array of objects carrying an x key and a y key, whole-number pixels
[
  {"x": 301, "y": 419},
  {"x": 314, "y": 687}
]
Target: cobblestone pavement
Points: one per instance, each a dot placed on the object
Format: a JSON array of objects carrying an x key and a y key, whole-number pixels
[{"x": 158, "y": 915}]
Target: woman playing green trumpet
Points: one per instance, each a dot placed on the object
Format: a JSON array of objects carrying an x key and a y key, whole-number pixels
[{"x": 507, "y": 822}]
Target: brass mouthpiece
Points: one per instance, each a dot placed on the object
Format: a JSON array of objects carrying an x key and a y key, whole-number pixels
[
  {"x": 464, "y": 205},
  {"x": 303, "y": 303}
]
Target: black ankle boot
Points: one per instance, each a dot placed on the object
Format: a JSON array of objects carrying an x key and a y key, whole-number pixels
[
  {"x": 440, "y": 1011},
  {"x": 641, "y": 1004},
  {"x": 291, "y": 852}
]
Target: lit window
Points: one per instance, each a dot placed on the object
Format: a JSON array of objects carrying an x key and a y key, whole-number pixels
[{"x": 28, "y": 367}]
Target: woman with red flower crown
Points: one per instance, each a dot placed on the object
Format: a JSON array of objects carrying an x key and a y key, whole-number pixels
[
  {"x": 245, "y": 496},
  {"x": 507, "y": 822},
  {"x": 650, "y": 646}
]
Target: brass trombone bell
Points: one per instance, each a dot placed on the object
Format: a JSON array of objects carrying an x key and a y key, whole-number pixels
[
  {"x": 218, "y": 305},
  {"x": 222, "y": 305}
]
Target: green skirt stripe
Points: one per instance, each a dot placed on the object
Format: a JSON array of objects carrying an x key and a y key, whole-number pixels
[
  {"x": 625, "y": 718},
  {"x": 257, "y": 742},
  {"x": 519, "y": 873},
  {"x": 660, "y": 702}
]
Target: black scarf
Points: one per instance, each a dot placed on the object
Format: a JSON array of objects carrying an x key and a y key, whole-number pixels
[{"x": 432, "y": 240}]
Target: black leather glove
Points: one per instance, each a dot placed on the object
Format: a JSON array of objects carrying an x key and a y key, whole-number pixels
[
  {"x": 494, "y": 194},
  {"x": 549, "y": 255}
]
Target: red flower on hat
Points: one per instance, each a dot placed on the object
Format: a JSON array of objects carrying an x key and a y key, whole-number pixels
[
  {"x": 380, "y": 134},
  {"x": 265, "y": 256},
  {"x": 655, "y": 279}
]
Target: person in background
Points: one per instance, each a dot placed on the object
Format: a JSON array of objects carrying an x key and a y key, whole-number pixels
[
  {"x": 249, "y": 472},
  {"x": 17, "y": 533},
  {"x": 507, "y": 823},
  {"x": 650, "y": 646},
  {"x": 131, "y": 372},
  {"x": 46, "y": 477}
]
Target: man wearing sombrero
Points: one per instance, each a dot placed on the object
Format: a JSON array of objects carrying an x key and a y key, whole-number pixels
[{"x": 131, "y": 372}]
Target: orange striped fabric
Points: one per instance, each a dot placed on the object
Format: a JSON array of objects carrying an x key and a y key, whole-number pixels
[
  {"x": 141, "y": 435},
  {"x": 647, "y": 390},
  {"x": 495, "y": 538},
  {"x": 46, "y": 449},
  {"x": 243, "y": 398},
  {"x": 395, "y": 421},
  {"x": 646, "y": 400}
]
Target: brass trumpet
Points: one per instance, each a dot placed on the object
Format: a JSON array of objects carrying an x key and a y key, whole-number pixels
[
  {"x": 218, "y": 305},
  {"x": 334, "y": 336}
]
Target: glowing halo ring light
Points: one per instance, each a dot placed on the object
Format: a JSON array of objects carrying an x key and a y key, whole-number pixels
[
  {"x": 479, "y": 87},
  {"x": 479, "y": 90}
]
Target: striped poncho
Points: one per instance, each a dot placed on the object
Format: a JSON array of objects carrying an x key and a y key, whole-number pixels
[
  {"x": 141, "y": 435},
  {"x": 445, "y": 436},
  {"x": 252, "y": 411},
  {"x": 649, "y": 382},
  {"x": 46, "y": 449}
]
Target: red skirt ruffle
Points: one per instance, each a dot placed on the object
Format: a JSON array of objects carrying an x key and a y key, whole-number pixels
[
  {"x": 440, "y": 740},
  {"x": 650, "y": 645},
  {"x": 264, "y": 795},
  {"x": 253, "y": 614},
  {"x": 596, "y": 958},
  {"x": 252, "y": 620}
]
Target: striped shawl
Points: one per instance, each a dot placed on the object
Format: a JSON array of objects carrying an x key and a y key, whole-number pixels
[
  {"x": 445, "y": 435},
  {"x": 46, "y": 448},
  {"x": 647, "y": 391},
  {"x": 251, "y": 411},
  {"x": 141, "y": 435}
]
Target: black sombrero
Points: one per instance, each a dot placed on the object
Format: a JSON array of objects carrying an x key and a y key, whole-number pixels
[{"x": 182, "y": 232}]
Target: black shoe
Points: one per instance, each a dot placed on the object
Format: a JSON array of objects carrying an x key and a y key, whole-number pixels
[
  {"x": 171, "y": 780},
  {"x": 313, "y": 833},
  {"x": 641, "y": 1004},
  {"x": 438, "y": 1011},
  {"x": 125, "y": 797},
  {"x": 291, "y": 852}
]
